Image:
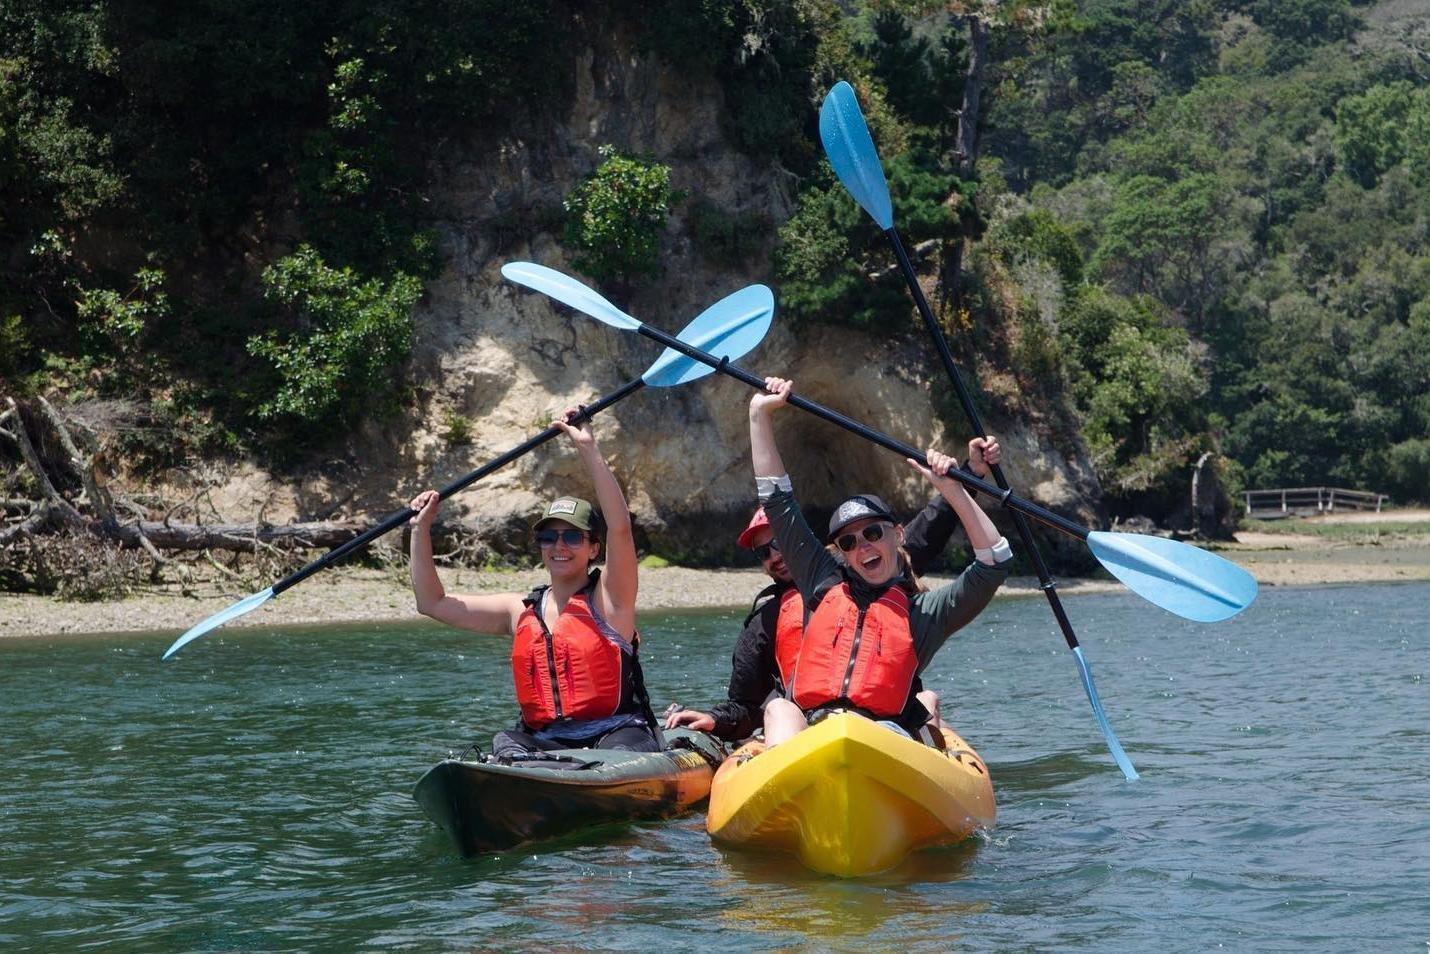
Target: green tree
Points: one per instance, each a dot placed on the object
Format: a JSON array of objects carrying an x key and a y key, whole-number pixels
[
  {"x": 922, "y": 75},
  {"x": 1408, "y": 470},
  {"x": 766, "y": 54},
  {"x": 1299, "y": 26},
  {"x": 1139, "y": 383},
  {"x": 353, "y": 332},
  {"x": 829, "y": 247},
  {"x": 1171, "y": 239},
  {"x": 1089, "y": 75},
  {"x": 1371, "y": 130},
  {"x": 121, "y": 321},
  {"x": 1039, "y": 234},
  {"x": 1417, "y": 138},
  {"x": 616, "y": 215}
]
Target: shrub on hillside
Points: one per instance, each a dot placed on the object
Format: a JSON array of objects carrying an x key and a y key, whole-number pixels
[
  {"x": 615, "y": 217},
  {"x": 351, "y": 333}
]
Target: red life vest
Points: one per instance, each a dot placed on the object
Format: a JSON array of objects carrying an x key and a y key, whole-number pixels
[
  {"x": 866, "y": 657},
  {"x": 789, "y": 630},
  {"x": 581, "y": 669}
]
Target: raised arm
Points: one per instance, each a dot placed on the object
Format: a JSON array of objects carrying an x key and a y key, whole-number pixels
[
  {"x": 809, "y": 563},
  {"x": 496, "y": 613},
  {"x": 939, "y": 613},
  {"x": 982, "y": 535},
  {"x": 619, "y": 581},
  {"x": 929, "y": 531},
  {"x": 763, "y": 451}
]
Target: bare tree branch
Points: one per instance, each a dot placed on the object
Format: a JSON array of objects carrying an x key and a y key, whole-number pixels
[
  {"x": 37, "y": 466},
  {"x": 28, "y": 527},
  {"x": 245, "y": 538},
  {"x": 81, "y": 465}
]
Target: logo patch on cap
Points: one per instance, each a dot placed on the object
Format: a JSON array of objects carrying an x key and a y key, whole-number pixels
[
  {"x": 564, "y": 505},
  {"x": 852, "y": 510}
]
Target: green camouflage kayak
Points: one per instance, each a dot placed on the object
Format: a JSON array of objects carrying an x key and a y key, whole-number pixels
[{"x": 491, "y": 806}]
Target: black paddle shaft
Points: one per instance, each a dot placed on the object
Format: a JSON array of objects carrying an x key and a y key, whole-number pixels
[
  {"x": 1002, "y": 494},
  {"x": 1025, "y": 532},
  {"x": 396, "y": 519}
]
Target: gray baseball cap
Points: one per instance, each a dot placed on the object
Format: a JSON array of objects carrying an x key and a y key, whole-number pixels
[{"x": 858, "y": 507}]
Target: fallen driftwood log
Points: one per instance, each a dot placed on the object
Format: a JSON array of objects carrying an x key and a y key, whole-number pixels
[
  {"x": 233, "y": 536},
  {"x": 96, "y": 509}
]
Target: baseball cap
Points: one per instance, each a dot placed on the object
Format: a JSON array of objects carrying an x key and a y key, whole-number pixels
[
  {"x": 747, "y": 535},
  {"x": 575, "y": 511},
  {"x": 858, "y": 507}
]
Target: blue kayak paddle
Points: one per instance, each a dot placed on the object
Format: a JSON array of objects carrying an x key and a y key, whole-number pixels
[
  {"x": 851, "y": 152},
  {"x": 1178, "y": 577},
  {"x": 730, "y": 328}
]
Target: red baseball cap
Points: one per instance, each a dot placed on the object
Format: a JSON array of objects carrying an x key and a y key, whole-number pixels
[{"x": 756, "y": 522}]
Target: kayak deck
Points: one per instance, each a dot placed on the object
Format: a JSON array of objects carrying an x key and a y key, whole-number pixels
[
  {"x": 486, "y": 806},
  {"x": 850, "y": 797}
]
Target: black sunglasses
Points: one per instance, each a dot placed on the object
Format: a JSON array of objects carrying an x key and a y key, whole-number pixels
[
  {"x": 548, "y": 538},
  {"x": 763, "y": 551},
  {"x": 873, "y": 533}
]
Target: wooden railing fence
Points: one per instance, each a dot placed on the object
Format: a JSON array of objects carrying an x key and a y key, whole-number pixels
[{"x": 1309, "y": 501}]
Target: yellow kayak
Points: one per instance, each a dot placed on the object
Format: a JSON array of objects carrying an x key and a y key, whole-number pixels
[{"x": 850, "y": 797}]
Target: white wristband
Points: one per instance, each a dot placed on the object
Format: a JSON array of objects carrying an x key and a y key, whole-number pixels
[
  {"x": 995, "y": 554},
  {"x": 765, "y": 487}
]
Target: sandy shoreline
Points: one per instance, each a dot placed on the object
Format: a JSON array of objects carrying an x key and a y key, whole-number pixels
[
  {"x": 345, "y": 595},
  {"x": 360, "y": 594}
]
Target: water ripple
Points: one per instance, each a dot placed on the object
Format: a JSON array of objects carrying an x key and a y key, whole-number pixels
[{"x": 255, "y": 794}]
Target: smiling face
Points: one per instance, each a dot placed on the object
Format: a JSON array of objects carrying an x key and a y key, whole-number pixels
[
  {"x": 563, "y": 558},
  {"x": 876, "y": 561},
  {"x": 772, "y": 561}
]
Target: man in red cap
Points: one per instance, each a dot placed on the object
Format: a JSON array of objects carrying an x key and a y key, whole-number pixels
[{"x": 768, "y": 647}]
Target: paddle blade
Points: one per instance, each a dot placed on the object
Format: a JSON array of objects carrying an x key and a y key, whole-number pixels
[
  {"x": 1178, "y": 577},
  {"x": 851, "y": 152},
  {"x": 568, "y": 291},
  {"x": 731, "y": 328},
  {"x": 246, "y": 605},
  {"x": 1115, "y": 747}
]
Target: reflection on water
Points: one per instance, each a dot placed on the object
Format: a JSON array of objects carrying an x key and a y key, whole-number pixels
[{"x": 765, "y": 893}]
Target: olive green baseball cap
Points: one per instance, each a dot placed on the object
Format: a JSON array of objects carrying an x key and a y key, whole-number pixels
[{"x": 573, "y": 510}]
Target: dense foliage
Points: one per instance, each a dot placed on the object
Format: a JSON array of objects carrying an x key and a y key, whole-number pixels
[
  {"x": 217, "y": 209},
  {"x": 615, "y": 217},
  {"x": 1191, "y": 225},
  {"x": 1245, "y": 181}
]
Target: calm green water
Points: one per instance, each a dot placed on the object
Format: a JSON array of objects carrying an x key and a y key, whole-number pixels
[{"x": 254, "y": 793}]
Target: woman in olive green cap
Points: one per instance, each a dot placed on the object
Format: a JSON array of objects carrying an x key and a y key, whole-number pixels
[{"x": 574, "y": 644}]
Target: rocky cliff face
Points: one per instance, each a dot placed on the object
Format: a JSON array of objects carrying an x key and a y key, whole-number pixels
[{"x": 510, "y": 360}]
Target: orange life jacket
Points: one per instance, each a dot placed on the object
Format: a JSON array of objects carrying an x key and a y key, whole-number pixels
[
  {"x": 789, "y": 630},
  {"x": 581, "y": 669},
  {"x": 864, "y": 656}
]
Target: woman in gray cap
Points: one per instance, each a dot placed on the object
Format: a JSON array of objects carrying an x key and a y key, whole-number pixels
[
  {"x": 574, "y": 661},
  {"x": 869, "y": 628}
]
